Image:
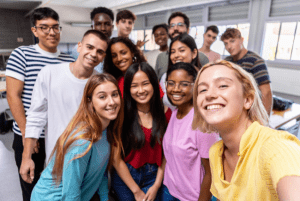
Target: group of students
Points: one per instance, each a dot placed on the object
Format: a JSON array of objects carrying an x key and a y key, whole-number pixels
[{"x": 151, "y": 138}]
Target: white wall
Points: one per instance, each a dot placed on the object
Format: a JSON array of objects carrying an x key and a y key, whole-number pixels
[
  {"x": 69, "y": 14},
  {"x": 285, "y": 80}
]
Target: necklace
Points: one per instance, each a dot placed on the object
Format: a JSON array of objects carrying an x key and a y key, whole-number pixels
[{"x": 146, "y": 113}]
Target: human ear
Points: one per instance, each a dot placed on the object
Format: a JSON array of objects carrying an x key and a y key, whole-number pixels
[
  {"x": 249, "y": 99},
  {"x": 195, "y": 52},
  {"x": 34, "y": 31},
  {"x": 79, "y": 47}
]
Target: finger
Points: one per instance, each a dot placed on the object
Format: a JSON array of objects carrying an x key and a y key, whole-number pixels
[
  {"x": 36, "y": 150},
  {"x": 31, "y": 173},
  {"x": 146, "y": 41}
]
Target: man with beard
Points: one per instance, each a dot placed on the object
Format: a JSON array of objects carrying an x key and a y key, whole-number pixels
[{"x": 178, "y": 23}]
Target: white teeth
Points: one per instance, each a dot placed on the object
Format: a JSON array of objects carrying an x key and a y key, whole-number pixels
[
  {"x": 177, "y": 96},
  {"x": 178, "y": 61},
  {"x": 112, "y": 109},
  {"x": 211, "y": 107}
]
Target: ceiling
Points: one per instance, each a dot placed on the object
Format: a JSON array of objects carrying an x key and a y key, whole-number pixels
[{"x": 19, "y": 5}]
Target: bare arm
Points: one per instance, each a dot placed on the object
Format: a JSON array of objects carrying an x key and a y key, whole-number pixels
[
  {"x": 267, "y": 98},
  {"x": 125, "y": 175},
  {"x": 27, "y": 165},
  {"x": 288, "y": 188},
  {"x": 205, "y": 193},
  {"x": 14, "y": 99}
]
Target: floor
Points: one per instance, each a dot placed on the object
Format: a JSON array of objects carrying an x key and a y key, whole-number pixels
[{"x": 10, "y": 189}]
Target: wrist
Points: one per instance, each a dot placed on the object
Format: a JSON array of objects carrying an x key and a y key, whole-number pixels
[{"x": 136, "y": 190}]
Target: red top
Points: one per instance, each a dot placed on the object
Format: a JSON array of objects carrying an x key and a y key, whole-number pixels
[
  {"x": 121, "y": 87},
  {"x": 147, "y": 154}
]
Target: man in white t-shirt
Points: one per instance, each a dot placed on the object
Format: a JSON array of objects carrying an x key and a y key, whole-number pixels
[
  {"x": 209, "y": 37},
  {"x": 57, "y": 95}
]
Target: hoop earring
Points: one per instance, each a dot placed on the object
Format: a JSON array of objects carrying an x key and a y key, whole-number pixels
[{"x": 134, "y": 59}]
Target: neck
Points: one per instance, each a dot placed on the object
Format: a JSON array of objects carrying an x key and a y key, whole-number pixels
[
  {"x": 52, "y": 50},
  {"x": 184, "y": 109},
  {"x": 163, "y": 48},
  {"x": 105, "y": 124},
  {"x": 79, "y": 71},
  {"x": 144, "y": 108},
  {"x": 123, "y": 35},
  {"x": 240, "y": 55},
  {"x": 205, "y": 49},
  {"x": 232, "y": 133}
]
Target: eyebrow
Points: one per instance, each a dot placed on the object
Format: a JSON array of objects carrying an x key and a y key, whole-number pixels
[
  {"x": 48, "y": 25},
  {"x": 216, "y": 80},
  {"x": 103, "y": 92}
]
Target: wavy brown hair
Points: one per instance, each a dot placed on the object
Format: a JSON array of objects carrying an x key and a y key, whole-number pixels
[{"x": 87, "y": 121}]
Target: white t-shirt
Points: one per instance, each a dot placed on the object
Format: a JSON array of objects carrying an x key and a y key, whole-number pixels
[{"x": 55, "y": 99}]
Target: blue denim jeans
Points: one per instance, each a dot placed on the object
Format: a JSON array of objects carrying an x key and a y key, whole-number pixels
[
  {"x": 166, "y": 196},
  {"x": 144, "y": 177}
]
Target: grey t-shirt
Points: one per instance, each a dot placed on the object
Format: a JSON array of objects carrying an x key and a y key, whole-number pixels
[{"x": 162, "y": 62}]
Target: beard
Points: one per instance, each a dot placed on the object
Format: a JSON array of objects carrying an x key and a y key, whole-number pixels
[{"x": 175, "y": 32}]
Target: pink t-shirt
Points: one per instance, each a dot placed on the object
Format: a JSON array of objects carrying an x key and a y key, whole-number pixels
[{"x": 183, "y": 150}]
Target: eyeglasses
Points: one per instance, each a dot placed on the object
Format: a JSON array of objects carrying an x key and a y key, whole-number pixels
[
  {"x": 180, "y": 24},
  {"x": 182, "y": 85},
  {"x": 47, "y": 29}
]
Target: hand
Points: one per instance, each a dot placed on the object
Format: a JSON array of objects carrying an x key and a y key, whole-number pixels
[
  {"x": 27, "y": 170},
  {"x": 140, "y": 43},
  {"x": 36, "y": 147},
  {"x": 139, "y": 195},
  {"x": 151, "y": 193}
]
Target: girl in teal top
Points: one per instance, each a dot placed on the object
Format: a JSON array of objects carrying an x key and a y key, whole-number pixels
[{"x": 77, "y": 167}]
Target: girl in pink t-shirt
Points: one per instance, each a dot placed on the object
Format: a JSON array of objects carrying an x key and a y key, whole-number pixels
[{"x": 187, "y": 172}]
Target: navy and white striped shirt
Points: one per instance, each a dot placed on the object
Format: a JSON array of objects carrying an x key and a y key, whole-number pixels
[{"x": 24, "y": 64}]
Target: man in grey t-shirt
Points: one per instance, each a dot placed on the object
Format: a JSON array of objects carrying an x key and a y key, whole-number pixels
[{"x": 178, "y": 23}]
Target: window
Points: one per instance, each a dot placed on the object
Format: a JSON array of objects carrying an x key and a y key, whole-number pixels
[
  {"x": 282, "y": 41},
  {"x": 218, "y": 45},
  {"x": 136, "y": 35},
  {"x": 144, "y": 35}
]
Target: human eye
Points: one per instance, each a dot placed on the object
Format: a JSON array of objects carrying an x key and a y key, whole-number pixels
[
  {"x": 232, "y": 40},
  {"x": 172, "y": 51},
  {"x": 172, "y": 25},
  {"x": 184, "y": 84},
  {"x": 201, "y": 90},
  {"x": 102, "y": 97},
  {"x": 115, "y": 94},
  {"x": 44, "y": 28},
  {"x": 223, "y": 86},
  {"x": 113, "y": 55},
  {"x": 170, "y": 83}
]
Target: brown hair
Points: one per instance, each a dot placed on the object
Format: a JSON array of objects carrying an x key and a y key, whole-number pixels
[
  {"x": 257, "y": 111},
  {"x": 125, "y": 14},
  {"x": 231, "y": 33},
  {"x": 87, "y": 121}
]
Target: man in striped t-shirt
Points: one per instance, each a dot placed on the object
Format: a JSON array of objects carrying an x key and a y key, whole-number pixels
[
  {"x": 250, "y": 62},
  {"x": 22, "y": 69}
]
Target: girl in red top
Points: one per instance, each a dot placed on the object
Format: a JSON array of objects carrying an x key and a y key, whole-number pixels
[{"x": 140, "y": 165}]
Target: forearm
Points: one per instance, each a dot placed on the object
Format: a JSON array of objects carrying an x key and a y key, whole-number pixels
[
  {"x": 125, "y": 175},
  {"x": 205, "y": 194},
  {"x": 160, "y": 174},
  {"x": 267, "y": 100},
  {"x": 17, "y": 110},
  {"x": 29, "y": 148}
]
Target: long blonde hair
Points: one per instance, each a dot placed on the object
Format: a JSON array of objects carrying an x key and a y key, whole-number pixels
[
  {"x": 257, "y": 111},
  {"x": 87, "y": 121}
]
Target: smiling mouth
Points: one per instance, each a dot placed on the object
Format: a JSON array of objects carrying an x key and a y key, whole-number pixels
[
  {"x": 111, "y": 110},
  {"x": 214, "y": 107},
  {"x": 177, "y": 97},
  {"x": 177, "y": 61}
]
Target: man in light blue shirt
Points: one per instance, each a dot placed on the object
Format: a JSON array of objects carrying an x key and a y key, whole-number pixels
[{"x": 102, "y": 20}]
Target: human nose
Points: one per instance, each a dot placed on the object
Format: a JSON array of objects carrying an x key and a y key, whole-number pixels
[
  {"x": 119, "y": 57},
  {"x": 211, "y": 94},
  {"x": 51, "y": 31},
  {"x": 177, "y": 87},
  {"x": 111, "y": 100},
  {"x": 140, "y": 89}
]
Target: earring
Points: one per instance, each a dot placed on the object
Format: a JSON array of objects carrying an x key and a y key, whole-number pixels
[{"x": 134, "y": 59}]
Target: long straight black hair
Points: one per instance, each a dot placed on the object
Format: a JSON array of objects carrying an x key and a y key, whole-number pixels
[{"x": 133, "y": 137}]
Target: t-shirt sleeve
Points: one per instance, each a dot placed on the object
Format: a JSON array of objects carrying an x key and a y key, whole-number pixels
[
  {"x": 103, "y": 188},
  {"x": 279, "y": 158},
  {"x": 16, "y": 65},
  {"x": 37, "y": 115},
  {"x": 205, "y": 141},
  {"x": 74, "y": 170},
  {"x": 203, "y": 59},
  {"x": 260, "y": 72}
]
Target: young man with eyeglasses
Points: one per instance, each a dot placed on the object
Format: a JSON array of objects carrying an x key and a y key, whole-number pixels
[
  {"x": 22, "y": 69},
  {"x": 178, "y": 23}
]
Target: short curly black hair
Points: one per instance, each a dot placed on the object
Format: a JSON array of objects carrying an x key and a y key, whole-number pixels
[
  {"x": 107, "y": 11},
  {"x": 180, "y": 14},
  {"x": 164, "y": 25}
]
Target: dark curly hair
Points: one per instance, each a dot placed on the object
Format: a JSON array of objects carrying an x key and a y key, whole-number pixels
[
  {"x": 109, "y": 66},
  {"x": 102, "y": 10}
]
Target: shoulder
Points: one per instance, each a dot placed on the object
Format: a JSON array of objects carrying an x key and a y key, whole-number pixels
[
  {"x": 65, "y": 57},
  {"x": 216, "y": 149},
  {"x": 229, "y": 58},
  {"x": 252, "y": 57}
]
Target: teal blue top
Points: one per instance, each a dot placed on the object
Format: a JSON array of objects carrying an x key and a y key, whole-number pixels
[{"x": 81, "y": 178}]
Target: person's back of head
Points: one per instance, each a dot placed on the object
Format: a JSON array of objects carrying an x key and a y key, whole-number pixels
[
  {"x": 125, "y": 14},
  {"x": 43, "y": 13}
]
